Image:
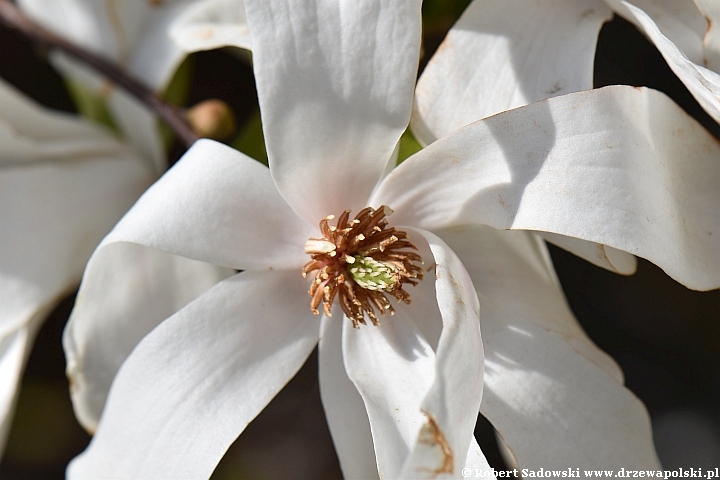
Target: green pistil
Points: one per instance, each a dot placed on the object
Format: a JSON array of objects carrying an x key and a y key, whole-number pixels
[{"x": 373, "y": 275}]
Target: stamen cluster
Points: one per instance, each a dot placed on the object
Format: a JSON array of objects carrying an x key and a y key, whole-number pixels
[{"x": 359, "y": 261}]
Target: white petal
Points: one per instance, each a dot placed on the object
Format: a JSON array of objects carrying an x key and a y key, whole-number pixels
[
  {"x": 343, "y": 405},
  {"x": 132, "y": 33},
  {"x": 452, "y": 403},
  {"x": 54, "y": 214},
  {"x": 392, "y": 366},
  {"x": 554, "y": 397},
  {"x": 194, "y": 383},
  {"x": 218, "y": 206},
  {"x": 502, "y": 55},
  {"x": 127, "y": 291},
  {"x": 335, "y": 82},
  {"x": 599, "y": 165},
  {"x": 477, "y": 463},
  {"x": 210, "y": 24},
  {"x": 601, "y": 255},
  {"x": 702, "y": 83},
  {"x": 679, "y": 20}
]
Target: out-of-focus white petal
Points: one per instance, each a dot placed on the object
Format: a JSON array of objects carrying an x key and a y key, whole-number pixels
[
  {"x": 210, "y": 24},
  {"x": 218, "y": 206},
  {"x": 502, "y": 55},
  {"x": 555, "y": 398},
  {"x": 54, "y": 214},
  {"x": 703, "y": 84},
  {"x": 134, "y": 289},
  {"x": 599, "y": 165},
  {"x": 679, "y": 20},
  {"x": 337, "y": 99},
  {"x": 196, "y": 381},
  {"x": 132, "y": 33},
  {"x": 343, "y": 405},
  {"x": 453, "y": 400}
]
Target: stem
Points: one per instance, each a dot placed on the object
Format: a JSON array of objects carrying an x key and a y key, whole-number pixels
[{"x": 13, "y": 18}]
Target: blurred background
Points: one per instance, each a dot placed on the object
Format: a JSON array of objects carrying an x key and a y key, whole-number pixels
[{"x": 666, "y": 338}]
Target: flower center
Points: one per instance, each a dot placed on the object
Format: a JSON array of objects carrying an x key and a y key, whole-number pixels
[{"x": 360, "y": 261}]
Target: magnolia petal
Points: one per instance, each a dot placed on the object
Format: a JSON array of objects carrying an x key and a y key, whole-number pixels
[
  {"x": 218, "y": 206},
  {"x": 555, "y": 398},
  {"x": 54, "y": 214},
  {"x": 601, "y": 255},
  {"x": 343, "y": 405},
  {"x": 392, "y": 366},
  {"x": 452, "y": 402},
  {"x": 600, "y": 166},
  {"x": 210, "y": 24},
  {"x": 196, "y": 381},
  {"x": 477, "y": 463},
  {"x": 502, "y": 55},
  {"x": 711, "y": 41},
  {"x": 335, "y": 103},
  {"x": 679, "y": 20},
  {"x": 702, "y": 83},
  {"x": 131, "y": 33},
  {"x": 127, "y": 291}
]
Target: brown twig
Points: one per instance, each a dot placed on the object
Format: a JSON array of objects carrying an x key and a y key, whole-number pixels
[{"x": 13, "y": 18}]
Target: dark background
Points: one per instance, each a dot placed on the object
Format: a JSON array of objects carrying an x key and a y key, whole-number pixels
[{"x": 665, "y": 337}]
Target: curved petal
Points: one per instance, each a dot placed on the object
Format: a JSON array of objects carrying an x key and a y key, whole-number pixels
[
  {"x": 392, "y": 366},
  {"x": 335, "y": 83},
  {"x": 453, "y": 400},
  {"x": 218, "y": 206},
  {"x": 601, "y": 255},
  {"x": 127, "y": 291},
  {"x": 502, "y": 55},
  {"x": 679, "y": 20},
  {"x": 343, "y": 405},
  {"x": 422, "y": 407},
  {"x": 195, "y": 382},
  {"x": 210, "y": 24},
  {"x": 555, "y": 398},
  {"x": 702, "y": 83},
  {"x": 599, "y": 165}
]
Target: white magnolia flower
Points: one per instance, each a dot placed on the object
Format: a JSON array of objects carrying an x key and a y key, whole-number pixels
[
  {"x": 596, "y": 166},
  {"x": 136, "y": 35}
]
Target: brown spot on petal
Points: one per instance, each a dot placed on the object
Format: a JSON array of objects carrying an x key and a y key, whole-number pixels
[{"x": 430, "y": 434}]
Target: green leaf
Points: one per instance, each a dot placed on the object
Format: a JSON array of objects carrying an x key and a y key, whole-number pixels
[
  {"x": 250, "y": 140},
  {"x": 408, "y": 146},
  {"x": 90, "y": 104}
]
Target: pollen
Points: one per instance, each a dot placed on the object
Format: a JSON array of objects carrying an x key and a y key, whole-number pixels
[{"x": 360, "y": 262}]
